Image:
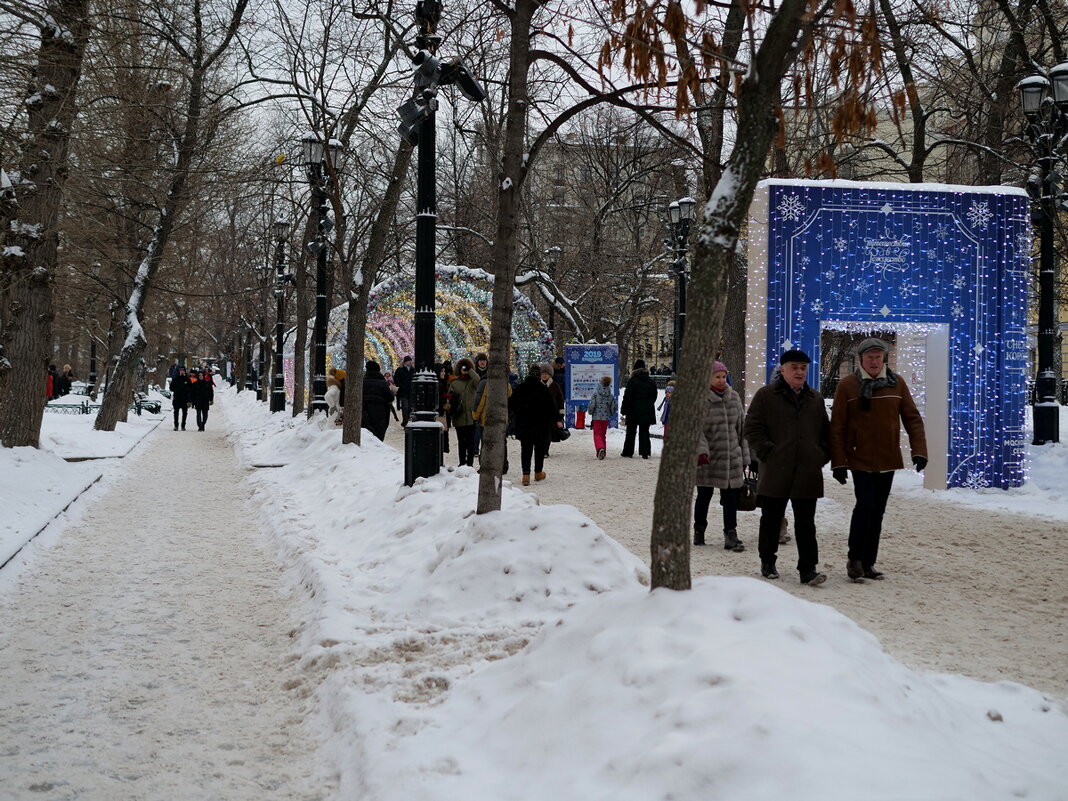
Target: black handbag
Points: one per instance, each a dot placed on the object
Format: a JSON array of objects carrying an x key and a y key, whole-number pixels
[
  {"x": 562, "y": 434},
  {"x": 747, "y": 494}
]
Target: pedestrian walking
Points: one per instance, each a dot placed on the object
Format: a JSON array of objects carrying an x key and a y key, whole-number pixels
[
  {"x": 870, "y": 406},
  {"x": 50, "y": 383},
  {"x": 63, "y": 381},
  {"x": 722, "y": 457},
  {"x": 557, "y": 393},
  {"x": 601, "y": 409},
  {"x": 536, "y": 415},
  {"x": 481, "y": 373},
  {"x": 377, "y": 400},
  {"x": 202, "y": 394},
  {"x": 180, "y": 396},
  {"x": 403, "y": 379},
  {"x": 788, "y": 431},
  {"x": 638, "y": 408},
  {"x": 664, "y": 406},
  {"x": 461, "y": 406}
]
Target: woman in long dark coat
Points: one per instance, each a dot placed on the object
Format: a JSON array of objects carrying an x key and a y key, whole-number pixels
[
  {"x": 377, "y": 401},
  {"x": 639, "y": 408},
  {"x": 535, "y": 417}
]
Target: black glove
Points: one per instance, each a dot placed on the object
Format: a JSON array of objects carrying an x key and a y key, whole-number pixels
[
  {"x": 920, "y": 462},
  {"x": 754, "y": 467},
  {"x": 840, "y": 474}
]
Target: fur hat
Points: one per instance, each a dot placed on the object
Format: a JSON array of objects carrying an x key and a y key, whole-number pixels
[
  {"x": 481, "y": 357},
  {"x": 720, "y": 367},
  {"x": 872, "y": 343},
  {"x": 460, "y": 365},
  {"x": 546, "y": 368},
  {"x": 639, "y": 364},
  {"x": 795, "y": 355}
]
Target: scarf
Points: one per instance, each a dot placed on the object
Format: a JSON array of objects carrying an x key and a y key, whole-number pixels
[{"x": 868, "y": 385}]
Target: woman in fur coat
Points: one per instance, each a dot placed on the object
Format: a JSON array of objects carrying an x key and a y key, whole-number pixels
[{"x": 722, "y": 455}]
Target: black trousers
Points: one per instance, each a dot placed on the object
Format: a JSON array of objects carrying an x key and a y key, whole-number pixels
[
  {"x": 202, "y": 417},
  {"x": 772, "y": 512},
  {"x": 465, "y": 444},
  {"x": 728, "y": 499},
  {"x": 872, "y": 491},
  {"x": 184, "y": 409},
  {"x": 644, "y": 447},
  {"x": 533, "y": 446}
]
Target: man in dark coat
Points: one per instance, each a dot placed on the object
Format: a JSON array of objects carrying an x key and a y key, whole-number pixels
[
  {"x": 377, "y": 401},
  {"x": 403, "y": 379},
  {"x": 180, "y": 396},
  {"x": 639, "y": 409},
  {"x": 869, "y": 409},
  {"x": 535, "y": 417},
  {"x": 788, "y": 432}
]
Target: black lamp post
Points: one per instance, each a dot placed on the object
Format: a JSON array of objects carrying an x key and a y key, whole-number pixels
[
  {"x": 552, "y": 258},
  {"x": 278, "y": 386},
  {"x": 680, "y": 213},
  {"x": 1047, "y": 127},
  {"x": 422, "y": 435},
  {"x": 320, "y": 160}
]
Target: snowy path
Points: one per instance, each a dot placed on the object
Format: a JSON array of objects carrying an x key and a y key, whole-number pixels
[
  {"x": 144, "y": 654},
  {"x": 967, "y": 591}
]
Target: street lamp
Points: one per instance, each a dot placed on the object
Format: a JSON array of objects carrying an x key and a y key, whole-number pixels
[
  {"x": 422, "y": 435},
  {"x": 680, "y": 212},
  {"x": 280, "y": 230},
  {"x": 552, "y": 258},
  {"x": 1047, "y": 127},
  {"x": 320, "y": 161}
]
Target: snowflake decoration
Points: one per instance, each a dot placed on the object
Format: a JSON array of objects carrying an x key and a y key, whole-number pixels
[
  {"x": 1023, "y": 241},
  {"x": 791, "y": 208},
  {"x": 817, "y": 306},
  {"x": 976, "y": 480},
  {"x": 829, "y": 275},
  {"x": 862, "y": 287},
  {"x": 805, "y": 261},
  {"x": 958, "y": 282},
  {"x": 906, "y": 290},
  {"x": 979, "y": 215},
  {"x": 941, "y": 231},
  {"x": 840, "y": 245},
  {"x": 957, "y": 311}
]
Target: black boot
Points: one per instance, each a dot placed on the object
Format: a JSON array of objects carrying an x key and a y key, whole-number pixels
[
  {"x": 855, "y": 571},
  {"x": 768, "y": 571},
  {"x": 699, "y": 533},
  {"x": 731, "y": 541}
]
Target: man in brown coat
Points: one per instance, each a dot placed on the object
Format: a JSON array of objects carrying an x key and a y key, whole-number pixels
[
  {"x": 787, "y": 430},
  {"x": 869, "y": 407}
]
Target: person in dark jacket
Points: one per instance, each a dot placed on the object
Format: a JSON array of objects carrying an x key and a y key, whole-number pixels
[
  {"x": 180, "y": 396},
  {"x": 558, "y": 401},
  {"x": 403, "y": 379},
  {"x": 202, "y": 393},
  {"x": 63, "y": 381},
  {"x": 377, "y": 401},
  {"x": 560, "y": 374},
  {"x": 788, "y": 431},
  {"x": 639, "y": 409},
  {"x": 870, "y": 406},
  {"x": 535, "y": 417},
  {"x": 461, "y": 413}
]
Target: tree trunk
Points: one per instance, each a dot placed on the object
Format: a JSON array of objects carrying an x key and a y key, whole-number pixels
[
  {"x": 714, "y": 253},
  {"x": 356, "y": 334},
  {"x": 31, "y": 240},
  {"x": 505, "y": 262}
]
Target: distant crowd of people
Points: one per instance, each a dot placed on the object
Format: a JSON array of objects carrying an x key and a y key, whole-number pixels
[{"x": 58, "y": 383}]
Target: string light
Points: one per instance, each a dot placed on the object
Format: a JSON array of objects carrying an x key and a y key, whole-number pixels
[
  {"x": 464, "y": 299},
  {"x": 907, "y": 258}
]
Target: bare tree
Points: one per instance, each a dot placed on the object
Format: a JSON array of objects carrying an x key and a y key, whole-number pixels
[{"x": 33, "y": 201}]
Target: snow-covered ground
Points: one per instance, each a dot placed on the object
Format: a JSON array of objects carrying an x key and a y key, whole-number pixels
[{"x": 520, "y": 655}]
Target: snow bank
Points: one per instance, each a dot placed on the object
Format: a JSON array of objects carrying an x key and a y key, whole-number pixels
[{"x": 519, "y": 656}]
